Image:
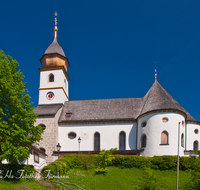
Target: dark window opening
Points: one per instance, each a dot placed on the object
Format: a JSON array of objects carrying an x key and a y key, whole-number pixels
[
  {"x": 72, "y": 135},
  {"x": 196, "y": 145},
  {"x": 182, "y": 140},
  {"x": 42, "y": 149},
  {"x": 51, "y": 78},
  {"x": 143, "y": 141},
  {"x": 122, "y": 141},
  {"x": 36, "y": 157},
  {"x": 96, "y": 142}
]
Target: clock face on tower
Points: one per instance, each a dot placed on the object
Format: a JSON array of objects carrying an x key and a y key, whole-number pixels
[{"x": 50, "y": 95}]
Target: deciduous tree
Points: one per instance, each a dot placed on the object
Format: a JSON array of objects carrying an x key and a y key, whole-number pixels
[{"x": 17, "y": 130}]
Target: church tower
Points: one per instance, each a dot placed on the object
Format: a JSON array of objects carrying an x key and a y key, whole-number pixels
[{"x": 53, "y": 74}]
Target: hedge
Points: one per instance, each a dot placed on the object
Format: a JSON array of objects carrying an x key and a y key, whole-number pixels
[
  {"x": 14, "y": 171},
  {"x": 127, "y": 161}
]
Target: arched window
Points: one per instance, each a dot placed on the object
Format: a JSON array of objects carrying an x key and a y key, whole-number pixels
[
  {"x": 164, "y": 137},
  {"x": 51, "y": 78},
  {"x": 196, "y": 145},
  {"x": 182, "y": 140},
  {"x": 96, "y": 141},
  {"x": 122, "y": 141},
  {"x": 42, "y": 149},
  {"x": 143, "y": 141}
]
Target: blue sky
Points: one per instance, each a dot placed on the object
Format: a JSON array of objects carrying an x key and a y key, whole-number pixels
[{"x": 111, "y": 45}]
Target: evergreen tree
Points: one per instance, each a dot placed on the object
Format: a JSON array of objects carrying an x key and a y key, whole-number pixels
[{"x": 17, "y": 130}]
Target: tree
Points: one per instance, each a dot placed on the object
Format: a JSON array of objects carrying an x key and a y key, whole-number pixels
[{"x": 17, "y": 130}]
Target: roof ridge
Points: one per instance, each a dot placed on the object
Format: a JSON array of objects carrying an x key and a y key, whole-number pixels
[{"x": 147, "y": 94}]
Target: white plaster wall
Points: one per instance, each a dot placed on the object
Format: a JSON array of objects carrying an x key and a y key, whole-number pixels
[
  {"x": 191, "y": 136},
  {"x": 109, "y": 136},
  {"x": 40, "y": 165},
  {"x": 59, "y": 96},
  {"x": 59, "y": 81},
  {"x": 153, "y": 131},
  {"x": 59, "y": 77}
]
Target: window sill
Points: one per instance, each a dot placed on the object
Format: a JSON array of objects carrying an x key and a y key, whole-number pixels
[{"x": 163, "y": 144}]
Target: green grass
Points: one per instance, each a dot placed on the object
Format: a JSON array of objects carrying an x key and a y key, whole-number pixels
[
  {"x": 21, "y": 185},
  {"x": 116, "y": 178},
  {"x": 125, "y": 178}
]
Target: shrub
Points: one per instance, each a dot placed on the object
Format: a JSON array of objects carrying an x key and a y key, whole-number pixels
[
  {"x": 72, "y": 160},
  {"x": 164, "y": 162},
  {"x": 186, "y": 163},
  {"x": 118, "y": 160},
  {"x": 52, "y": 168},
  {"x": 148, "y": 180},
  {"x": 194, "y": 182},
  {"x": 105, "y": 157},
  {"x": 87, "y": 161},
  {"x": 15, "y": 172},
  {"x": 130, "y": 161}
]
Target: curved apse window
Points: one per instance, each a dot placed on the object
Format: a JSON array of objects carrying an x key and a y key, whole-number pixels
[
  {"x": 165, "y": 119},
  {"x": 144, "y": 123},
  {"x": 196, "y": 131},
  {"x": 72, "y": 135}
]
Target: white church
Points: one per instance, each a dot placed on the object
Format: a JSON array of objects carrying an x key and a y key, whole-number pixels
[{"x": 144, "y": 126}]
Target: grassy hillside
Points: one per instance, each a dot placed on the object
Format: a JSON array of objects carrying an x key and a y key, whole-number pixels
[
  {"x": 127, "y": 178},
  {"x": 116, "y": 178},
  {"x": 21, "y": 185}
]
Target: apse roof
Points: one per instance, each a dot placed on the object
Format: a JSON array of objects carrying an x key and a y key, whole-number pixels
[
  {"x": 124, "y": 109},
  {"x": 157, "y": 98}
]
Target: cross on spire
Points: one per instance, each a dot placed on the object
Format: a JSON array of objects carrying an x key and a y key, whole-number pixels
[
  {"x": 56, "y": 14},
  {"x": 55, "y": 28},
  {"x": 155, "y": 71}
]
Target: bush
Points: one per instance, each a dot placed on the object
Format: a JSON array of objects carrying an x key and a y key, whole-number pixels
[
  {"x": 105, "y": 157},
  {"x": 117, "y": 160},
  {"x": 15, "y": 172},
  {"x": 72, "y": 160},
  {"x": 187, "y": 163},
  {"x": 164, "y": 162},
  {"x": 148, "y": 180},
  {"x": 136, "y": 161},
  {"x": 194, "y": 182},
  {"x": 87, "y": 161},
  {"x": 52, "y": 168}
]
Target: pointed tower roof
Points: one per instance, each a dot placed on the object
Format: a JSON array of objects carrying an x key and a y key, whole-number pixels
[
  {"x": 54, "y": 54},
  {"x": 157, "y": 98},
  {"x": 55, "y": 48}
]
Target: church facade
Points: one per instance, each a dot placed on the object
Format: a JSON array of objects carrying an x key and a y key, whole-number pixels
[{"x": 144, "y": 126}]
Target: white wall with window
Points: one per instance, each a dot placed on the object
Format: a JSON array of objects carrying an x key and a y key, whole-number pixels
[
  {"x": 107, "y": 134},
  {"x": 161, "y": 130},
  {"x": 193, "y": 134}
]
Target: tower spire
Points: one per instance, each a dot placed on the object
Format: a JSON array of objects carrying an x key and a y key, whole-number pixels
[
  {"x": 55, "y": 27},
  {"x": 155, "y": 72}
]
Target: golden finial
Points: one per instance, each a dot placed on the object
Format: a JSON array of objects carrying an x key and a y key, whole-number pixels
[
  {"x": 155, "y": 71},
  {"x": 56, "y": 28}
]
